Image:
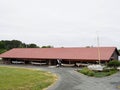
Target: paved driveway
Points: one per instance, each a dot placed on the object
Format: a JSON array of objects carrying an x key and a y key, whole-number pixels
[
  {"x": 72, "y": 80},
  {"x": 69, "y": 79}
]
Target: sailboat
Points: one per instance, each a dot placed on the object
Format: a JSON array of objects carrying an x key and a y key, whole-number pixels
[{"x": 97, "y": 67}]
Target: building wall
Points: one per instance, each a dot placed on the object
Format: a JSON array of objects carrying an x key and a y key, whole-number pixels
[{"x": 115, "y": 56}]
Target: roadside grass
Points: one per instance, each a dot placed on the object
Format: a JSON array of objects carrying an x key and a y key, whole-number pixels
[
  {"x": 98, "y": 74},
  {"x": 24, "y": 79}
]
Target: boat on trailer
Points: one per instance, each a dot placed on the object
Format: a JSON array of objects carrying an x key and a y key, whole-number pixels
[
  {"x": 38, "y": 63},
  {"x": 97, "y": 67},
  {"x": 67, "y": 65}
]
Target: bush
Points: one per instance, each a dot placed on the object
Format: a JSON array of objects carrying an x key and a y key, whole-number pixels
[
  {"x": 113, "y": 63},
  {"x": 105, "y": 72},
  {"x": 87, "y": 71},
  {"x": 90, "y": 73}
]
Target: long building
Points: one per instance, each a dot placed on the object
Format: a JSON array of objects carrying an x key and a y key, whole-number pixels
[{"x": 49, "y": 56}]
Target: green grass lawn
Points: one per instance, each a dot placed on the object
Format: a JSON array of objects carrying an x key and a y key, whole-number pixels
[{"x": 24, "y": 79}]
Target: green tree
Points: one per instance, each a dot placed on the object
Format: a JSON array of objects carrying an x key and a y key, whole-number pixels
[
  {"x": 11, "y": 44},
  {"x": 114, "y": 63},
  {"x": 32, "y": 46},
  {"x": 7, "y": 44},
  {"x": 2, "y": 45},
  {"x": 49, "y": 46}
]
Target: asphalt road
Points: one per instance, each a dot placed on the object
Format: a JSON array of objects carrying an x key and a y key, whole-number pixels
[
  {"x": 69, "y": 79},
  {"x": 72, "y": 80}
]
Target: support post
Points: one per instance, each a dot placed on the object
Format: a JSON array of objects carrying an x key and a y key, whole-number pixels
[{"x": 49, "y": 63}]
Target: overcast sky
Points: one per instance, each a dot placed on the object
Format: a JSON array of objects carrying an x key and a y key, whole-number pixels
[{"x": 61, "y": 23}]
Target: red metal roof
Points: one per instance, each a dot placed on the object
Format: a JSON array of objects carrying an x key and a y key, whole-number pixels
[{"x": 61, "y": 53}]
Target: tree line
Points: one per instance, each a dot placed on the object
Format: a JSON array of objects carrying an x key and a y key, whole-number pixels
[{"x": 10, "y": 44}]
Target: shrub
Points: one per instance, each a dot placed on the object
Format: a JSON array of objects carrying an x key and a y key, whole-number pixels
[
  {"x": 90, "y": 73},
  {"x": 105, "y": 72},
  {"x": 113, "y": 63},
  {"x": 87, "y": 71}
]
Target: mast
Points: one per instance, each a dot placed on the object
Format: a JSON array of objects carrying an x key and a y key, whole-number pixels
[{"x": 98, "y": 49}]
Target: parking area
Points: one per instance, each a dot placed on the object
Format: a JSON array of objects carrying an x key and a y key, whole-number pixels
[{"x": 69, "y": 79}]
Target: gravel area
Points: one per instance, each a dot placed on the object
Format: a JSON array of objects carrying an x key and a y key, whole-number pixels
[{"x": 69, "y": 79}]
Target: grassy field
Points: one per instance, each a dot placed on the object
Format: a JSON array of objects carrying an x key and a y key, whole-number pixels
[{"x": 24, "y": 79}]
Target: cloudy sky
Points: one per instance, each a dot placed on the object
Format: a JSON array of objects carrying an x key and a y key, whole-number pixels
[{"x": 67, "y": 23}]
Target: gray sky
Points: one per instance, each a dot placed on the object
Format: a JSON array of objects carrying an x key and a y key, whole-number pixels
[{"x": 67, "y": 23}]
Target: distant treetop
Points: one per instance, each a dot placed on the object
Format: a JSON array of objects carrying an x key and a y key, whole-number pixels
[
  {"x": 9, "y": 44},
  {"x": 49, "y": 46}
]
